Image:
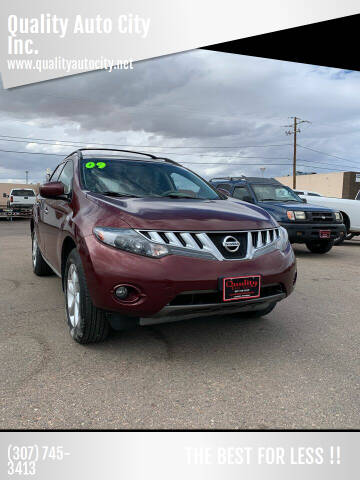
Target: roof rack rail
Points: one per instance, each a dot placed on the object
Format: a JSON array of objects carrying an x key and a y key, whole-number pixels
[
  {"x": 80, "y": 150},
  {"x": 229, "y": 178}
]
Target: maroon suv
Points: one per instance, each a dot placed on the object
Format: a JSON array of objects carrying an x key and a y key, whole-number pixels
[{"x": 138, "y": 239}]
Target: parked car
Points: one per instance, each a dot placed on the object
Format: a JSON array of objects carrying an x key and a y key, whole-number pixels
[
  {"x": 307, "y": 192},
  {"x": 350, "y": 211},
  {"x": 21, "y": 198},
  {"x": 138, "y": 239},
  {"x": 315, "y": 226}
]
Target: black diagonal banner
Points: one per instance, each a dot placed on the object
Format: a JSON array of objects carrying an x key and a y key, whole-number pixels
[{"x": 332, "y": 43}]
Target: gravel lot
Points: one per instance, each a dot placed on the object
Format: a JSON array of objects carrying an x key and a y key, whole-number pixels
[{"x": 297, "y": 368}]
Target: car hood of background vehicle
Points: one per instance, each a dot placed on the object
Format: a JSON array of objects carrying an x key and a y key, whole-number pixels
[
  {"x": 183, "y": 214},
  {"x": 303, "y": 207}
]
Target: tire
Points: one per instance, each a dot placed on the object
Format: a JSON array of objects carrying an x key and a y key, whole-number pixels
[
  {"x": 349, "y": 236},
  {"x": 340, "y": 240},
  {"x": 40, "y": 267},
  {"x": 87, "y": 323},
  {"x": 320, "y": 246},
  {"x": 260, "y": 313}
]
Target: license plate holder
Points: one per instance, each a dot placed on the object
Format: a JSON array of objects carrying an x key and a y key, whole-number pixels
[
  {"x": 324, "y": 233},
  {"x": 240, "y": 288}
]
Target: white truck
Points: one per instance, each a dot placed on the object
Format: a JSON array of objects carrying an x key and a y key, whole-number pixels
[
  {"x": 350, "y": 210},
  {"x": 21, "y": 198},
  {"x": 19, "y": 203}
]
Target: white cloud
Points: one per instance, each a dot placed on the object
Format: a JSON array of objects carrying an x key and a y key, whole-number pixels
[{"x": 198, "y": 98}]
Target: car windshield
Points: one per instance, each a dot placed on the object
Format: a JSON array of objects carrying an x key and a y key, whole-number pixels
[
  {"x": 23, "y": 193},
  {"x": 120, "y": 177},
  {"x": 274, "y": 193}
]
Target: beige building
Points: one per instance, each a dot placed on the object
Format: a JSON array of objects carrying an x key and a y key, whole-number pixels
[
  {"x": 332, "y": 184},
  {"x": 6, "y": 187}
]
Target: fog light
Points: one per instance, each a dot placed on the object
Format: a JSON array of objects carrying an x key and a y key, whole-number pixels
[{"x": 122, "y": 292}]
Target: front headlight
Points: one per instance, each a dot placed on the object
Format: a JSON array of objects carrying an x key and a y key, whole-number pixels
[
  {"x": 130, "y": 241},
  {"x": 283, "y": 239},
  {"x": 296, "y": 215},
  {"x": 338, "y": 217}
]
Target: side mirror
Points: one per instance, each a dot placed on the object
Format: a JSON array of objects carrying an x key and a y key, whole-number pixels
[
  {"x": 223, "y": 191},
  {"x": 304, "y": 200},
  {"x": 52, "y": 190},
  {"x": 248, "y": 199}
]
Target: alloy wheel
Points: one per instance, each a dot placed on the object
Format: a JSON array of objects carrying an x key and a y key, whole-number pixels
[
  {"x": 73, "y": 295},
  {"x": 34, "y": 250}
]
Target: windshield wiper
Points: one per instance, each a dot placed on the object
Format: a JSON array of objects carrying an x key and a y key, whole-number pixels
[
  {"x": 176, "y": 195},
  {"x": 117, "y": 194}
]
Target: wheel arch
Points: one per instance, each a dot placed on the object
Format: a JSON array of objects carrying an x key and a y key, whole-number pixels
[
  {"x": 67, "y": 246},
  {"x": 346, "y": 220}
]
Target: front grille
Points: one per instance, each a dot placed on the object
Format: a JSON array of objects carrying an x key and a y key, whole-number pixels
[
  {"x": 241, "y": 237},
  {"x": 212, "y": 245},
  {"x": 322, "y": 217},
  {"x": 213, "y": 297}
]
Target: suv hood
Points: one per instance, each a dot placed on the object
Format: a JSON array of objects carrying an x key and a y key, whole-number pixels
[{"x": 181, "y": 214}]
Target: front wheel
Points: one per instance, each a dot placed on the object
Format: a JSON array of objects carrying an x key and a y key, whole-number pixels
[
  {"x": 87, "y": 323},
  {"x": 320, "y": 246}
]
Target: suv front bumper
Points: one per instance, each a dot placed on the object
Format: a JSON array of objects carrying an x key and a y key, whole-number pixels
[
  {"x": 307, "y": 232},
  {"x": 161, "y": 281}
]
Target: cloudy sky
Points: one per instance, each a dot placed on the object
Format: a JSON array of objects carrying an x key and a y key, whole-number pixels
[{"x": 219, "y": 114}]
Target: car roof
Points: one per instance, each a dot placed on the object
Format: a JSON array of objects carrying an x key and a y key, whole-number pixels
[
  {"x": 243, "y": 179},
  {"x": 84, "y": 153}
]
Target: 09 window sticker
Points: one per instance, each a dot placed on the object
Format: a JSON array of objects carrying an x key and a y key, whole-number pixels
[{"x": 97, "y": 164}]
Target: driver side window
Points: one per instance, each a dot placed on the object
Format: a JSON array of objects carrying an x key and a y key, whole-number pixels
[{"x": 66, "y": 177}]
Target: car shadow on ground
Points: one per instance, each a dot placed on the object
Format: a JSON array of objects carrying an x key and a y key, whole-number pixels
[{"x": 199, "y": 338}]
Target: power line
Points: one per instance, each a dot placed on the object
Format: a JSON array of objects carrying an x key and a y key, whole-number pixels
[
  {"x": 328, "y": 154},
  {"x": 190, "y": 163},
  {"x": 29, "y": 140},
  {"x": 183, "y": 154},
  {"x": 40, "y": 141}
]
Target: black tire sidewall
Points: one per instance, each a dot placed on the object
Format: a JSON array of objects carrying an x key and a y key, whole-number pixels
[
  {"x": 74, "y": 258},
  {"x": 320, "y": 246},
  {"x": 93, "y": 326}
]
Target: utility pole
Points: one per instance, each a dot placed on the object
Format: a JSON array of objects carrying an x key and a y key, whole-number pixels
[
  {"x": 26, "y": 176},
  {"x": 295, "y": 130}
]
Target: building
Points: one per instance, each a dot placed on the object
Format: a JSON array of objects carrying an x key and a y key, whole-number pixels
[{"x": 332, "y": 184}]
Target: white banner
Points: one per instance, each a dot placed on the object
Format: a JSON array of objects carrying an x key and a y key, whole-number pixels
[
  {"x": 179, "y": 456},
  {"x": 43, "y": 40}
]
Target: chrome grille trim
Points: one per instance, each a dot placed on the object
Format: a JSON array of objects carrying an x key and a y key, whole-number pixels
[{"x": 258, "y": 242}]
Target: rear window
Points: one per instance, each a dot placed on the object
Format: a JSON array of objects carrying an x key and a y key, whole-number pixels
[{"x": 23, "y": 193}]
